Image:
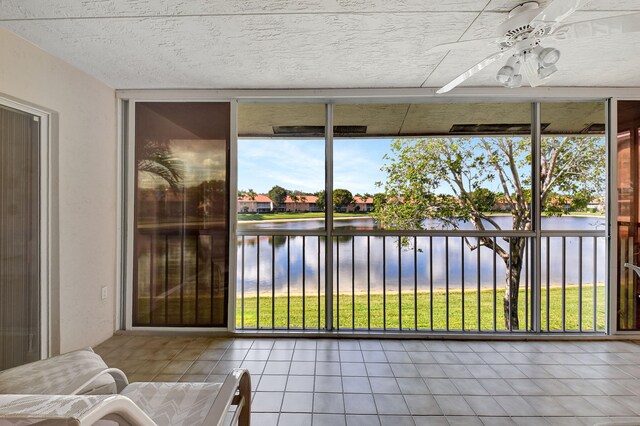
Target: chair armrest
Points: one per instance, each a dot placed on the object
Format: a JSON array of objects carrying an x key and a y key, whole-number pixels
[
  {"x": 238, "y": 381},
  {"x": 634, "y": 268},
  {"x": 82, "y": 409},
  {"x": 118, "y": 376}
]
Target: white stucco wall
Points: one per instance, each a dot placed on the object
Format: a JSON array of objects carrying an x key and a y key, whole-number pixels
[{"x": 86, "y": 186}]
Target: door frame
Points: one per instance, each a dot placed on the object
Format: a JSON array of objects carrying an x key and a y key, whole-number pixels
[
  {"x": 48, "y": 268},
  {"x": 125, "y": 211}
]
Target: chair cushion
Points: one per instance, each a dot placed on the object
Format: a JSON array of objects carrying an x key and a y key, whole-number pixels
[
  {"x": 59, "y": 375},
  {"x": 174, "y": 404},
  {"x": 46, "y": 409}
]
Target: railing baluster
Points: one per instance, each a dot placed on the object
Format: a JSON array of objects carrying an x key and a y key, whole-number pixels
[
  {"x": 510, "y": 285},
  {"x": 353, "y": 282},
  {"x": 548, "y": 295},
  {"x": 415, "y": 282},
  {"x": 579, "y": 283},
  {"x": 595, "y": 283},
  {"x": 288, "y": 282},
  {"x": 153, "y": 276},
  {"x": 211, "y": 239},
  {"x": 337, "y": 315},
  {"x": 304, "y": 282},
  {"x": 526, "y": 283},
  {"x": 258, "y": 282},
  {"x": 166, "y": 279},
  {"x": 241, "y": 285},
  {"x": 368, "y": 282},
  {"x": 479, "y": 283},
  {"x": 431, "y": 282},
  {"x": 462, "y": 279},
  {"x": 564, "y": 282},
  {"x": 399, "y": 283},
  {"x": 384, "y": 283},
  {"x": 273, "y": 282},
  {"x": 495, "y": 285},
  {"x": 446, "y": 267},
  {"x": 212, "y": 279},
  {"x": 182, "y": 237},
  {"x": 319, "y": 325},
  {"x": 198, "y": 273}
]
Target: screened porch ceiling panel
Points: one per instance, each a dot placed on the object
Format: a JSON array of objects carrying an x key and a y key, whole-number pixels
[
  {"x": 259, "y": 120},
  {"x": 298, "y": 44}
]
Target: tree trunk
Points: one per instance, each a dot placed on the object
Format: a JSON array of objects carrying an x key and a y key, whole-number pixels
[{"x": 512, "y": 282}]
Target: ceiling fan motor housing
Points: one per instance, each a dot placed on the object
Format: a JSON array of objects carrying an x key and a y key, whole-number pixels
[{"x": 517, "y": 27}]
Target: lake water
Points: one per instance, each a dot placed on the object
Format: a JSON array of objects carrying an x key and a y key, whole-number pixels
[{"x": 400, "y": 266}]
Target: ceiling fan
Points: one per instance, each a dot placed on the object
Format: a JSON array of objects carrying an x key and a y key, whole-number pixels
[{"x": 521, "y": 36}]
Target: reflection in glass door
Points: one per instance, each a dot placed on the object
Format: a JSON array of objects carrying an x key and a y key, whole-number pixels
[
  {"x": 19, "y": 238},
  {"x": 628, "y": 207},
  {"x": 181, "y": 214}
]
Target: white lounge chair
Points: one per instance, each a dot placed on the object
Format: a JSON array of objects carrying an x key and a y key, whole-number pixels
[
  {"x": 77, "y": 372},
  {"x": 144, "y": 403}
]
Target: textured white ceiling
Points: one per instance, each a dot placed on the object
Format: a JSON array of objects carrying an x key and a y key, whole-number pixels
[{"x": 298, "y": 43}]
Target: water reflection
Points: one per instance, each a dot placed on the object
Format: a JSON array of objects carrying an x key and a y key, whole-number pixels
[{"x": 282, "y": 264}]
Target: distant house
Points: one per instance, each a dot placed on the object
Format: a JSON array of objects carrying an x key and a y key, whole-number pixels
[
  {"x": 361, "y": 204},
  {"x": 258, "y": 204},
  {"x": 160, "y": 203},
  {"x": 560, "y": 202},
  {"x": 304, "y": 203},
  {"x": 502, "y": 205},
  {"x": 597, "y": 205}
]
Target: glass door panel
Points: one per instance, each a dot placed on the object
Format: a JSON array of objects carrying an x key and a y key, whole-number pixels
[
  {"x": 181, "y": 214},
  {"x": 627, "y": 213}
]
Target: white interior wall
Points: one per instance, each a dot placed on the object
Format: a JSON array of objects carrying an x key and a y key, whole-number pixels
[{"x": 84, "y": 193}]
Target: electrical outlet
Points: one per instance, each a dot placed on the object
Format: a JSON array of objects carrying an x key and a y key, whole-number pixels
[{"x": 104, "y": 293}]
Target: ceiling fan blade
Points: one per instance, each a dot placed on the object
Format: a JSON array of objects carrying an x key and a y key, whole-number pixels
[
  {"x": 556, "y": 12},
  {"x": 472, "y": 71},
  {"x": 598, "y": 27},
  {"x": 467, "y": 44}
]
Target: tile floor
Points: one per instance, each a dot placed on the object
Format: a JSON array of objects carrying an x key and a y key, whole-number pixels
[{"x": 403, "y": 382}]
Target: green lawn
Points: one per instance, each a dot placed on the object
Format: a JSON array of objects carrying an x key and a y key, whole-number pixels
[
  {"x": 298, "y": 215},
  {"x": 360, "y": 319}
]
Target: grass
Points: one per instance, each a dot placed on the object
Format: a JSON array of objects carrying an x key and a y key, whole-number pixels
[
  {"x": 296, "y": 215},
  {"x": 357, "y": 317}
]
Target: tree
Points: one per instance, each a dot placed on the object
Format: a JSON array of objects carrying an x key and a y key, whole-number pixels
[
  {"x": 294, "y": 197},
  {"x": 417, "y": 168},
  {"x": 581, "y": 199},
  {"x": 156, "y": 158},
  {"x": 278, "y": 195},
  {"x": 484, "y": 199},
  {"x": 320, "y": 202},
  {"x": 379, "y": 200},
  {"x": 341, "y": 199},
  {"x": 249, "y": 193}
]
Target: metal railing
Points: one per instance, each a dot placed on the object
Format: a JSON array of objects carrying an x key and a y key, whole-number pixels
[
  {"x": 180, "y": 277},
  {"x": 422, "y": 281}
]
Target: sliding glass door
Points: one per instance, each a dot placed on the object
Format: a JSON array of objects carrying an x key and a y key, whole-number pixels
[
  {"x": 628, "y": 210},
  {"x": 181, "y": 226},
  {"x": 20, "y": 330}
]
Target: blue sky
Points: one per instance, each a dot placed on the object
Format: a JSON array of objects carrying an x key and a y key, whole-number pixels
[{"x": 299, "y": 164}]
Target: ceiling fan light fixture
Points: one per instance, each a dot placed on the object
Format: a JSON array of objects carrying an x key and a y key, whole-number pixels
[
  {"x": 546, "y": 72},
  {"x": 516, "y": 81},
  {"x": 505, "y": 74},
  {"x": 548, "y": 57}
]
